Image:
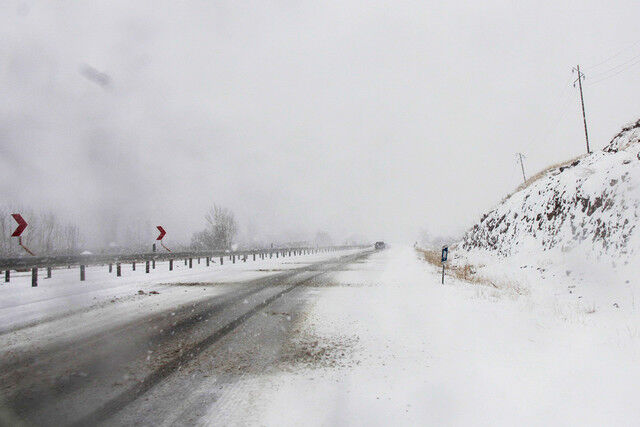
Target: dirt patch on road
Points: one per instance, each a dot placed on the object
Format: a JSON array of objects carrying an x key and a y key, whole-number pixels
[
  {"x": 204, "y": 284},
  {"x": 339, "y": 285},
  {"x": 306, "y": 349},
  {"x": 312, "y": 351}
]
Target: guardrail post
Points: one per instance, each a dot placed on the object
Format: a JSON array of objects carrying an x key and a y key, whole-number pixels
[
  {"x": 170, "y": 265},
  {"x": 146, "y": 267},
  {"x": 81, "y": 273},
  {"x": 244, "y": 259},
  {"x": 185, "y": 261},
  {"x": 48, "y": 272},
  {"x": 207, "y": 261},
  {"x": 221, "y": 260},
  {"x": 118, "y": 270},
  {"x": 34, "y": 277},
  {"x": 198, "y": 260},
  {"x": 133, "y": 266},
  {"x": 110, "y": 268},
  {"x": 7, "y": 276},
  {"x": 190, "y": 262},
  {"x": 153, "y": 264},
  {"x": 254, "y": 256}
]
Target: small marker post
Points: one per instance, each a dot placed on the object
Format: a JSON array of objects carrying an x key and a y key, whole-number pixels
[{"x": 443, "y": 259}]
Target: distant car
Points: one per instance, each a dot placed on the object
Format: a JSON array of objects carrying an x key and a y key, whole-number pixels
[{"x": 379, "y": 245}]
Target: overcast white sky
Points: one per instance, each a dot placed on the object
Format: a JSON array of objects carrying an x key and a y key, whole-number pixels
[{"x": 372, "y": 117}]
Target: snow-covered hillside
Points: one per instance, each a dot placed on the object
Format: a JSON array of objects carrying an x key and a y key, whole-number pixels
[{"x": 589, "y": 206}]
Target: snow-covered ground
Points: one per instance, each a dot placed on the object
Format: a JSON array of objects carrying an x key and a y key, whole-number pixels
[
  {"x": 589, "y": 206},
  {"x": 399, "y": 348},
  {"x": 118, "y": 298}
]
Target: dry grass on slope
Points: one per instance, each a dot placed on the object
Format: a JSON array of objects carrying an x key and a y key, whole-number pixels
[
  {"x": 467, "y": 273},
  {"x": 464, "y": 272},
  {"x": 542, "y": 173}
]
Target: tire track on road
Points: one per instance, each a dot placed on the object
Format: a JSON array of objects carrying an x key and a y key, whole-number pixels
[{"x": 137, "y": 390}]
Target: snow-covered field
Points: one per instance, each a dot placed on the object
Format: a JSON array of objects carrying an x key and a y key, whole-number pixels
[
  {"x": 119, "y": 298},
  {"x": 406, "y": 350}
]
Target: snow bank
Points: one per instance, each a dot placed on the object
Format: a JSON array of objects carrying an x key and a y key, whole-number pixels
[{"x": 589, "y": 207}]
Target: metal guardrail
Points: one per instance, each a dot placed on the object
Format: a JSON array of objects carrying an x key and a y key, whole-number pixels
[{"x": 34, "y": 263}]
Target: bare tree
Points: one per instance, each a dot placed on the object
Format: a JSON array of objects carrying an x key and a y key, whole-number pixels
[
  {"x": 45, "y": 235},
  {"x": 220, "y": 231},
  {"x": 323, "y": 239}
]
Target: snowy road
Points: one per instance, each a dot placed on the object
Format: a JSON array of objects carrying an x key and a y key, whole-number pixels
[
  {"x": 382, "y": 342},
  {"x": 143, "y": 370},
  {"x": 364, "y": 339}
]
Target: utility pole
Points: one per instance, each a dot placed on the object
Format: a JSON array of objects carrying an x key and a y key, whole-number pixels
[
  {"x": 524, "y": 177},
  {"x": 584, "y": 116}
]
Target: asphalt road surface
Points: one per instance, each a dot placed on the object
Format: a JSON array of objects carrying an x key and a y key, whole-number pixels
[{"x": 152, "y": 371}]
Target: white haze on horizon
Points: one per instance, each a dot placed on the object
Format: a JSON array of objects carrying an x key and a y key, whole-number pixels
[{"x": 376, "y": 118}]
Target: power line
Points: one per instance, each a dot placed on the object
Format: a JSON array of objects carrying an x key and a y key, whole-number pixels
[
  {"x": 615, "y": 74},
  {"x": 634, "y": 58},
  {"x": 615, "y": 55},
  {"x": 559, "y": 110}
]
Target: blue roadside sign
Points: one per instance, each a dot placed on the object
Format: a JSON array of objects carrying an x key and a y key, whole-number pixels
[{"x": 445, "y": 253}]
